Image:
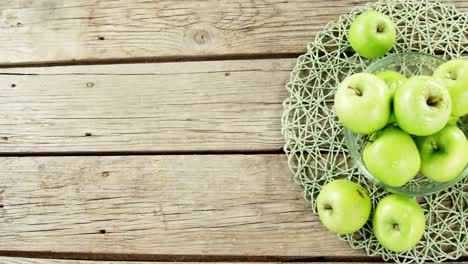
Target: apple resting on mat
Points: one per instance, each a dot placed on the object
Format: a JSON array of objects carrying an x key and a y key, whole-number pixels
[
  {"x": 372, "y": 34},
  {"x": 444, "y": 155},
  {"x": 362, "y": 103},
  {"x": 343, "y": 206},
  {"x": 392, "y": 157},
  {"x": 454, "y": 75},
  {"x": 422, "y": 106},
  {"x": 398, "y": 222}
]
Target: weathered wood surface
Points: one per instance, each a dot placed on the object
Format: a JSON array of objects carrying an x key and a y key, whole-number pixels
[
  {"x": 66, "y": 30},
  {"x": 233, "y": 205},
  {"x": 60, "y": 261},
  {"x": 4, "y": 260},
  {"x": 190, "y": 106},
  {"x": 233, "y": 105},
  {"x": 246, "y": 205},
  {"x": 57, "y": 30}
]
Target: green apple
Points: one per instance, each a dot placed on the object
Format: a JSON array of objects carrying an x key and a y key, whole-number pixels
[
  {"x": 343, "y": 206},
  {"x": 454, "y": 75},
  {"x": 392, "y": 119},
  {"x": 392, "y": 157},
  {"x": 444, "y": 155},
  {"x": 372, "y": 34},
  {"x": 362, "y": 103},
  {"x": 393, "y": 80},
  {"x": 453, "y": 120},
  {"x": 422, "y": 106},
  {"x": 398, "y": 222}
]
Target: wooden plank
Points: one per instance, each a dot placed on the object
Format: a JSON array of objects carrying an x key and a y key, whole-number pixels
[
  {"x": 128, "y": 29},
  {"x": 160, "y": 107},
  {"x": 4, "y": 260},
  {"x": 236, "y": 205},
  {"x": 7, "y": 260},
  {"x": 64, "y": 30},
  {"x": 190, "y": 106}
]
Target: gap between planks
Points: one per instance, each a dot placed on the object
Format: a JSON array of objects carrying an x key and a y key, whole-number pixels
[
  {"x": 20, "y": 260},
  {"x": 89, "y": 258},
  {"x": 160, "y": 59},
  {"x": 163, "y": 59},
  {"x": 144, "y": 153}
]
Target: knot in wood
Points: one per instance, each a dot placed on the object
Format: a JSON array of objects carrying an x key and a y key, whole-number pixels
[{"x": 201, "y": 37}]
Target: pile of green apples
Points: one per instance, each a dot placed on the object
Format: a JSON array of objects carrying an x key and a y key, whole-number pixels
[{"x": 410, "y": 127}]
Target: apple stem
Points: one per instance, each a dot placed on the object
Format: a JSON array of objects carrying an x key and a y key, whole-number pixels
[
  {"x": 380, "y": 29},
  {"x": 356, "y": 90},
  {"x": 433, "y": 101},
  {"x": 434, "y": 145},
  {"x": 396, "y": 227},
  {"x": 452, "y": 76}
]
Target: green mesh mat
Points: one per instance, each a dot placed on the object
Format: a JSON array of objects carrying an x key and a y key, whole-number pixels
[{"x": 315, "y": 143}]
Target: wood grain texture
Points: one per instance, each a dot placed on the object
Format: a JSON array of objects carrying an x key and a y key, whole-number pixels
[
  {"x": 246, "y": 205},
  {"x": 57, "y": 30},
  {"x": 67, "y": 30},
  {"x": 190, "y": 106},
  {"x": 4, "y": 260}
]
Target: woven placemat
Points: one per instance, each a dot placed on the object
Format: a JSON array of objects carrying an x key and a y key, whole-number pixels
[{"x": 315, "y": 144}]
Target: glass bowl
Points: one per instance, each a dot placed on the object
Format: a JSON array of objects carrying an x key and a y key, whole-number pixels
[{"x": 408, "y": 64}]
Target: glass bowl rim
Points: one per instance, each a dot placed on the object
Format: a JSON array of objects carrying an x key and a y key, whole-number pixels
[{"x": 377, "y": 63}]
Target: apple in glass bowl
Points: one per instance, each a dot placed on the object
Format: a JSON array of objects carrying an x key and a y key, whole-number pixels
[{"x": 436, "y": 145}]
